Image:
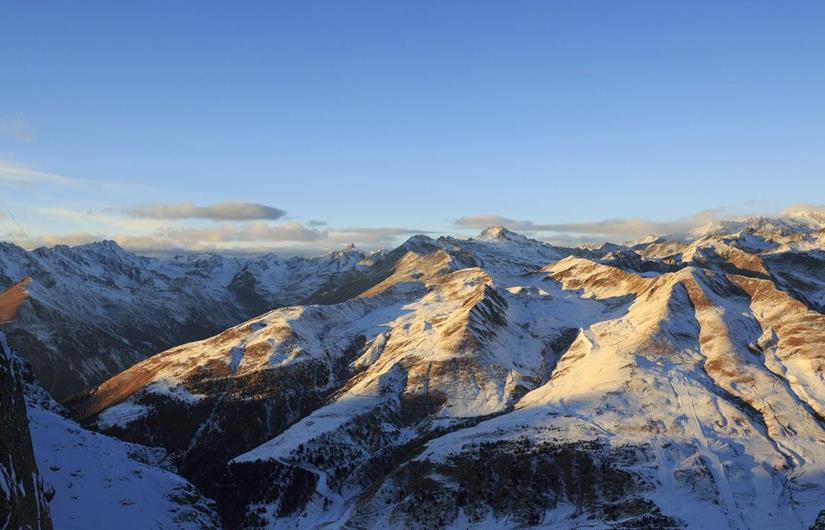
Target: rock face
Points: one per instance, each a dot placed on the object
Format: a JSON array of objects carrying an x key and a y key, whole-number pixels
[
  {"x": 96, "y": 309},
  {"x": 501, "y": 382},
  {"x": 23, "y": 498},
  {"x": 11, "y": 299}
]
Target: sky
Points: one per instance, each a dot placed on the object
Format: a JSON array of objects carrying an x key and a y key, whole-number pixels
[{"x": 304, "y": 126}]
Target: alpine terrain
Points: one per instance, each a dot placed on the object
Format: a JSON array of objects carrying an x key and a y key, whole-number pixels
[
  {"x": 111, "y": 308},
  {"x": 492, "y": 382}
]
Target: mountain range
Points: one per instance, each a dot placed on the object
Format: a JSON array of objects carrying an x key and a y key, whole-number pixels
[{"x": 497, "y": 381}]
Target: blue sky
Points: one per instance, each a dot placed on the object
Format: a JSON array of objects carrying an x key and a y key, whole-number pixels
[{"x": 365, "y": 121}]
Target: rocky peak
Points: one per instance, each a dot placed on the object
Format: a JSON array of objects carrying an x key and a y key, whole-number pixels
[
  {"x": 813, "y": 214},
  {"x": 499, "y": 233}
]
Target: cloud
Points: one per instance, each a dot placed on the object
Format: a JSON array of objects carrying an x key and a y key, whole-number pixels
[
  {"x": 255, "y": 237},
  {"x": 803, "y": 210},
  {"x": 86, "y": 220},
  {"x": 17, "y": 129},
  {"x": 50, "y": 240},
  {"x": 292, "y": 238},
  {"x": 147, "y": 244},
  {"x": 224, "y": 211},
  {"x": 23, "y": 175},
  {"x": 608, "y": 229},
  {"x": 228, "y": 233},
  {"x": 259, "y": 235},
  {"x": 137, "y": 244},
  {"x": 372, "y": 235}
]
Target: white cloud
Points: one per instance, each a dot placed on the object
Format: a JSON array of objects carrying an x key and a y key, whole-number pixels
[
  {"x": 224, "y": 211},
  {"x": 50, "y": 240},
  {"x": 803, "y": 210},
  {"x": 23, "y": 175},
  {"x": 608, "y": 229},
  {"x": 18, "y": 174},
  {"x": 102, "y": 220},
  {"x": 150, "y": 236},
  {"x": 371, "y": 235},
  {"x": 247, "y": 232},
  {"x": 257, "y": 236}
]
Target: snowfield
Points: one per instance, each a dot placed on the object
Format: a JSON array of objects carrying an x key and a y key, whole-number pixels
[
  {"x": 500, "y": 382},
  {"x": 102, "y": 482}
]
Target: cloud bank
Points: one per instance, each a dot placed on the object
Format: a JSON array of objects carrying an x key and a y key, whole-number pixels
[
  {"x": 163, "y": 236},
  {"x": 171, "y": 231},
  {"x": 803, "y": 210},
  {"x": 608, "y": 229},
  {"x": 224, "y": 211}
]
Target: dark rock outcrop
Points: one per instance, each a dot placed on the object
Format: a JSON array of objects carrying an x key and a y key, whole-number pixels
[{"x": 23, "y": 497}]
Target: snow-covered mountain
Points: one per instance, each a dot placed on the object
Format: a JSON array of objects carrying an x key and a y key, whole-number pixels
[
  {"x": 96, "y": 481},
  {"x": 503, "y": 382},
  {"x": 56, "y": 474},
  {"x": 97, "y": 309}
]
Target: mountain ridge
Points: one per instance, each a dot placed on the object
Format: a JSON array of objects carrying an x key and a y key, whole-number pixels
[
  {"x": 667, "y": 373},
  {"x": 667, "y": 383}
]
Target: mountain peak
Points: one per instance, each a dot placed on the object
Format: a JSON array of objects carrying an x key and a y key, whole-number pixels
[
  {"x": 104, "y": 245},
  {"x": 499, "y": 233},
  {"x": 815, "y": 214},
  {"x": 346, "y": 252}
]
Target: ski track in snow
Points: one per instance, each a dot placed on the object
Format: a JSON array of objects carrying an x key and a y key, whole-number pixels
[{"x": 702, "y": 443}]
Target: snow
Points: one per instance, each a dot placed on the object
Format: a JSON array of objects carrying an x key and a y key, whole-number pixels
[
  {"x": 705, "y": 363},
  {"x": 605, "y": 388},
  {"x": 92, "y": 290},
  {"x": 121, "y": 415},
  {"x": 322, "y": 421},
  {"x": 100, "y": 482},
  {"x": 172, "y": 389}
]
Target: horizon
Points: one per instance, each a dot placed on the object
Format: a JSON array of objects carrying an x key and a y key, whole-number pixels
[
  {"x": 299, "y": 129},
  {"x": 685, "y": 232},
  {"x": 414, "y": 265}
]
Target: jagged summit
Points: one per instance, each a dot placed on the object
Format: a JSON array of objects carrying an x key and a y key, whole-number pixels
[
  {"x": 500, "y": 233},
  {"x": 664, "y": 383},
  {"x": 108, "y": 244},
  {"x": 112, "y": 308},
  {"x": 669, "y": 383},
  {"x": 808, "y": 212},
  {"x": 420, "y": 244},
  {"x": 103, "y": 245}
]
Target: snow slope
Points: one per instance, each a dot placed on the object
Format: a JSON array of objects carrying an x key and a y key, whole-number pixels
[
  {"x": 502, "y": 382},
  {"x": 97, "y": 309},
  {"x": 56, "y": 474},
  {"x": 102, "y": 482}
]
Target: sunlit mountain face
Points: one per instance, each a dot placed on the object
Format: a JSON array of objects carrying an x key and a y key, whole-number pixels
[
  {"x": 496, "y": 381},
  {"x": 423, "y": 265}
]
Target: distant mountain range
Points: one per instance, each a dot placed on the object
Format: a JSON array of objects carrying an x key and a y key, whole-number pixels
[
  {"x": 491, "y": 382},
  {"x": 97, "y": 309}
]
